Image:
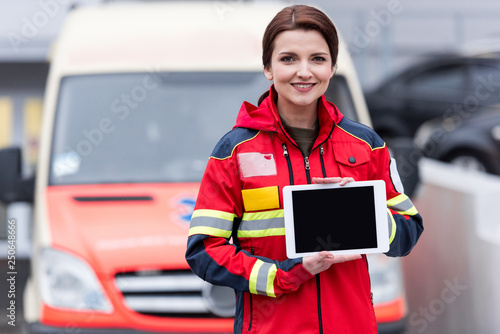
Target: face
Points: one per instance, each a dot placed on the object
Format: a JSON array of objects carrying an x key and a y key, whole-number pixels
[{"x": 301, "y": 68}]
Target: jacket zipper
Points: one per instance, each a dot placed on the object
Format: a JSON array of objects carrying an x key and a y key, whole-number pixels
[
  {"x": 308, "y": 176},
  {"x": 318, "y": 291},
  {"x": 288, "y": 162},
  {"x": 369, "y": 278},
  {"x": 307, "y": 167},
  {"x": 321, "y": 154},
  {"x": 318, "y": 284}
]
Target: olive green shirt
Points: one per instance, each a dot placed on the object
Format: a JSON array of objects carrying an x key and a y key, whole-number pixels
[{"x": 303, "y": 137}]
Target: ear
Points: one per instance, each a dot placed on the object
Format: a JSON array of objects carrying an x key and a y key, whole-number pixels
[
  {"x": 334, "y": 69},
  {"x": 268, "y": 72}
]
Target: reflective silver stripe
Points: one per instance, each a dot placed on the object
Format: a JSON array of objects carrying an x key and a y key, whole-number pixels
[
  {"x": 262, "y": 277},
  {"x": 262, "y": 224},
  {"x": 403, "y": 206},
  {"x": 218, "y": 223},
  {"x": 395, "y": 178}
]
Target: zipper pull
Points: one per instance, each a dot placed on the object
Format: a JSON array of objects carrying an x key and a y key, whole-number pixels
[
  {"x": 252, "y": 250},
  {"x": 285, "y": 150},
  {"x": 321, "y": 150},
  {"x": 306, "y": 159}
]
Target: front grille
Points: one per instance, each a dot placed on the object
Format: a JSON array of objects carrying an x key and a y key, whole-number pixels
[{"x": 164, "y": 293}]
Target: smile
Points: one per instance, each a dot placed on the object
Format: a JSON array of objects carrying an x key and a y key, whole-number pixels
[{"x": 303, "y": 85}]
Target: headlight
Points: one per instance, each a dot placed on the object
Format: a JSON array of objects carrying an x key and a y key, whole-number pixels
[
  {"x": 68, "y": 282},
  {"x": 219, "y": 300},
  {"x": 386, "y": 278}
]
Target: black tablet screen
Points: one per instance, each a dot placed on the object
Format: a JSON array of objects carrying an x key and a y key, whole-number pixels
[{"x": 334, "y": 219}]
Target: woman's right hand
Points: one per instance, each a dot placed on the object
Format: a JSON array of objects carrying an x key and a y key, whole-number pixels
[{"x": 323, "y": 260}]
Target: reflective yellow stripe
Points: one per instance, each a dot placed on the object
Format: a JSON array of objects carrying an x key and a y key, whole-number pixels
[
  {"x": 402, "y": 205},
  {"x": 262, "y": 278},
  {"x": 264, "y": 215},
  {"x": 396, "y": 200},
  {"x": 253, "y": 276},
  {"x": 270, "y": 281},
  {"x": 393, "y": 227},
  {"x": 214, "y": 214},
  {"x": 262, "y": 224},
  {"x": 209, "y": 231},
  {"x": 6, "y": 125},
  {"x": 261, "y": 233},
  {"x": 212, "y": 222},
  {"x": 411, "y": 212}
]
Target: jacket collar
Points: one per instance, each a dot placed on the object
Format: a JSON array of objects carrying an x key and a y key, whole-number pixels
[{"x": 265, "y": 117}]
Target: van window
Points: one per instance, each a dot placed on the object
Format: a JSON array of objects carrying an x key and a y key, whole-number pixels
[
  {"x": 145, "y": 127},
  {"x": 151, "y": 127},
  {"x": 339, "y": 93}
]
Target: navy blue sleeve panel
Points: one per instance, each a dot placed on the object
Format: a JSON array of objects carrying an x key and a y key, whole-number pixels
[
  {"x": 361, "y": 132},
  {"x": 208, "y": 269},
  {"x": 407, "y": 234},
  {"x": 203, "y": 265},
  {"x": 225, "y": 146},
  {"x": 285, "y": 265},
  {"x": 220, "y": 263}
]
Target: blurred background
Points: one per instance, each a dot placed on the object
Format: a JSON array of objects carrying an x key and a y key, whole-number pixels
[{"x": 430, "y": 71}]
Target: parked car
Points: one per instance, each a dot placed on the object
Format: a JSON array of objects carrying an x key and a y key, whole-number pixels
[
  {"x": 437, "y": 88},
  {"x": 472, "y": 142}
]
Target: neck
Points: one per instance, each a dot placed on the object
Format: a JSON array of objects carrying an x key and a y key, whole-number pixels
[{"x": 298, "y": 116}]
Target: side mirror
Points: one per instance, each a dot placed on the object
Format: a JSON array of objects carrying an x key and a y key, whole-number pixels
[
  {"x": 13, "y": 188},
  {"x": 407, "y": 156}
]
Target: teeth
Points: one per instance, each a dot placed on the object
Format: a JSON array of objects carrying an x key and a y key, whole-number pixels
[{"x": 303, "y": 86}]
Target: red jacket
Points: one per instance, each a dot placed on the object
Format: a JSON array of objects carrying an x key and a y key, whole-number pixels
[{"x": 240, "y": 196}]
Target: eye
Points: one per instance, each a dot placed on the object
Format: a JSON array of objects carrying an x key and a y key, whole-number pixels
[
  {"x": 319, "y": 59},
  {"x": 286, "y": 59}
]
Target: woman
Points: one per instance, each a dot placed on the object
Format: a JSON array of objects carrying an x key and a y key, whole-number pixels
[{"x": 294, "y": 136}]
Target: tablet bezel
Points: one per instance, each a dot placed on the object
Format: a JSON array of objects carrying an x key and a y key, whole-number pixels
[{"x": 381, "y": 221}]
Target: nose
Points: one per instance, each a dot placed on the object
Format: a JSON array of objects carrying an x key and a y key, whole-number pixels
[{"x": 303, "y": 70}]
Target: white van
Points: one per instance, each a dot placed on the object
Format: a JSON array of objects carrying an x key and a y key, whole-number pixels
[{"x": 138, "y": 95}]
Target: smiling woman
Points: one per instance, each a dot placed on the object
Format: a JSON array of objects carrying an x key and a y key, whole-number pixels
[{"x": 294, "y": 136}]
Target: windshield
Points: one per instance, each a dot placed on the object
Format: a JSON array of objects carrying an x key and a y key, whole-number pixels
[{"x": 146, "y": 127}]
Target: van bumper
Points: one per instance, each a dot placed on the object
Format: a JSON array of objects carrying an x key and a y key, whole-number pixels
[
  {"x": 38, "y": 328},
  {"x": 397, "y": 327}
]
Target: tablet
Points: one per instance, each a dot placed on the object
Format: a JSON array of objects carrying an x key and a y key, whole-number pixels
[{"x": 349, "y": 219}]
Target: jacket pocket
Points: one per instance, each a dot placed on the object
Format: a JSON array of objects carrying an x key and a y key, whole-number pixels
[{"x": 353, "y": 163}]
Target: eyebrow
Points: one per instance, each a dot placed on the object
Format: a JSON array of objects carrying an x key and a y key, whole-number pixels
[{"x": 294, "y": 54}]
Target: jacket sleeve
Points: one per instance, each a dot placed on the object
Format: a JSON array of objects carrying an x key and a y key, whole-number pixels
[
  {"x": 210, "y": 254},
  {"x": 405, "y": 223}
]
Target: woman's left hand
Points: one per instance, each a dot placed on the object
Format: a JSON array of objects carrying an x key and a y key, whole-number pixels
[{"x": 325, "y": 180}]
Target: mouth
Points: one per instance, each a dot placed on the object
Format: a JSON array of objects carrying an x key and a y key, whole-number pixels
[{"x": 303, "y": 85}]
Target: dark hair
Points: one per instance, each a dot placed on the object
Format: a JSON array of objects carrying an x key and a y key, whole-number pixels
[{"x": 298, "y": 17}]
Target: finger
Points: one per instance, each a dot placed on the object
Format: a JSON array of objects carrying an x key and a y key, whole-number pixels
[
  {"x": 346, "y": 180},
  {"x": 326, "y": 180},
  {"x": 345, "y": 258}
]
